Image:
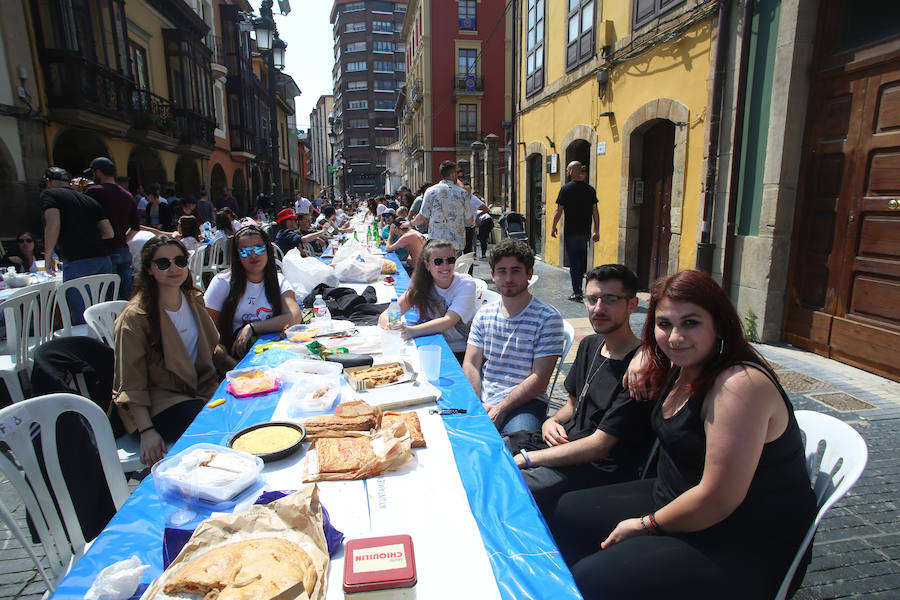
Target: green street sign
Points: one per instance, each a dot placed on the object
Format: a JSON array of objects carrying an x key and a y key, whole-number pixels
[{"x": 332, "y": 169}]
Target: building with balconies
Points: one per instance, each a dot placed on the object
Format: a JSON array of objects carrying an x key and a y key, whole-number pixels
[
  {"x": 370, "y": 67},
  {"x": 320, "y": 147},
  {"x": 459, "y": 90}
]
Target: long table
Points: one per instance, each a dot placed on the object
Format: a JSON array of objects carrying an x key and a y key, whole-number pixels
[{"x": 523, "y": 557}]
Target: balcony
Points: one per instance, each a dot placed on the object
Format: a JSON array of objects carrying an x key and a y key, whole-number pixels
[
  {"x": 217, "y": 61},
  {"x": 76, "y": 84},
  {"x": 413, "y": 146},
  {"x": 464, "y": 139},
  {"x": 468, "y": 84},
  {"x": 194, "y": 129},
  {"x": 415, "y": 92},
  {"x": 154, "y": 113}
]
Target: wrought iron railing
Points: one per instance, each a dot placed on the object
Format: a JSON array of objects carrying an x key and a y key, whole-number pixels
[
  {"x": 468, "y": 83},
  {"x": 465, "y": 138},
  {"x": 194, "y": 128},
  {"x": 153, "y": 112},
  {"x": 77, "y": 82}
]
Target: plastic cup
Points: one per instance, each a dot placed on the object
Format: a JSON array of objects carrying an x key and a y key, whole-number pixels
[{"x": 430, "y": 357}]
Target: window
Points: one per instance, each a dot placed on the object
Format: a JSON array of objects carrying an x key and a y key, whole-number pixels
[
  {"x": 647, "y": 10},
  {"x": 357, "y": 85},
  {"x": 534, "y": 47},
  {"x": 401, "y": 67},
  {"x": 465, "y": 61},
  {"x": 356, "y": 66},
  {"x": 467, "y": 124},
  {"x": 400, "y": 8},
  {"x": 384, "y": 66},
  {"x": 580, "y": 32},
  {"x": 358, "y": 123},
  {"x": 138, "y": 57},
  {"x": 467, "y": 15},
  {"x": 354, "y": 27},
  {"x": 356, "y": 47},
  {"x": 387, "y": 85},
  {"x": 385, "y": 104},
  {"x": 381, "y": 6},
  {"x": 359, "y": 141},
  {"x": 384, "y": 140},
  {"x": 382, "y": 27},
  {"x": 354, "y": 7},
  {"x": 383, "y": 46},
  {"x": 357, "y": 104}
]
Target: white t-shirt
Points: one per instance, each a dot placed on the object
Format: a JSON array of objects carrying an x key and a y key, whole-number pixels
[
  {"x": 380, "y": 208},
  {"x": 253, "y": 305},
  {"x": 302, "y": 205},
  {"x": 460, "y": 298},
  {"x": 141, "y": 202},
  {"x": 186, "y": 324},
  {"x": 190, "y": 243}
]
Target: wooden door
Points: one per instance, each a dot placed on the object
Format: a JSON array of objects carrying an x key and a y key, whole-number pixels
[
  {"x": 535, "y": 176},
  {"x": 843, "y": 296},
  {"x": 655, "y": 223}
]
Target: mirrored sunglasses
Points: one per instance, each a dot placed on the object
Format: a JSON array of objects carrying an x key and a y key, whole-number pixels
[
  {"x": 247, "y": 250},
  {"x": 164, "y": 263},
  {"x": 439, "y": 261}
]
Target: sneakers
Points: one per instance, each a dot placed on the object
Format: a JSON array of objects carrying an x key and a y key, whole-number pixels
[{"x": 576, "y": 298}]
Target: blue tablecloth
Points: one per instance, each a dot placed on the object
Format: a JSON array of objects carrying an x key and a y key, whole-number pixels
[{"x": 523, "y": 556}]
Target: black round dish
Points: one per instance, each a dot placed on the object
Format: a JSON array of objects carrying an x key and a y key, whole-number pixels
[{"x": 273, "y": 456}]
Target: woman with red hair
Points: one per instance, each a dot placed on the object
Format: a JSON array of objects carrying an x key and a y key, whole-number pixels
[{"x": 732, "y": 499}]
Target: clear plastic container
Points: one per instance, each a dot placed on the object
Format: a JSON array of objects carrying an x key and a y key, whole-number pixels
[
  {"x": 251, "y": 381},
  {"x": 311, "y": 386},
  {"x": 182, "y": 479}
]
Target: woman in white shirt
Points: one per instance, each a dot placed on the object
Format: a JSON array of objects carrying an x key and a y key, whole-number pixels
[
  {"x": 444, "y": 299},
  {"x": 189, "y": 232},
  {"x": 252, "y": 298}
]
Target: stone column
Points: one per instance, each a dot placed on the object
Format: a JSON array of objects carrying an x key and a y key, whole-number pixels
[
  {"x": 477, "y": 178},
  {"x": 490, "y": 167}
]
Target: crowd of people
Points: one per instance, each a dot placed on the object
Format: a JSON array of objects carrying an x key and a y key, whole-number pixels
[{"x": 730, "y": 499}]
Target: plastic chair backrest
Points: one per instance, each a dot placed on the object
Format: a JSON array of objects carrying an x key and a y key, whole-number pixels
[
  {"x": 195, "y": 265},
  {"x": 489, "y": 297},
  {"x": 843, "y": 459},
  {"x": 101, "y": 318},
  {"x": 22, "y": 313},
  {"x": 51, "y": 509},
  {"x": 47, "y": 293},
  {"x": 279, "y": 254},
  {"x": 93, "y": 289},
  {"x": 464, "y": 263},
  {"x": 532, "y": 282},
  {"x": 219, "y": 255},
  {"x": 569, "y": 333}
]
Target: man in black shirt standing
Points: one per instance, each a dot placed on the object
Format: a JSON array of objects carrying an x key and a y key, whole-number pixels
[
  {"x": 578, "y": 201},
  {"x": 601, "y": 435},
  {"x": 75, "y": 225}
]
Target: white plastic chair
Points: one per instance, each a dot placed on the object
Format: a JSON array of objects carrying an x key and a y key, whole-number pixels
[
  {"x": 22, "y": 313},
  {"x": 480, "y": 287},
  {"x": 279, "y": 254},
  {"x": 101, "y": 318},
  {"x": 464, "y": 262},
  {"x": 195, "y": 265},
  {"x": 93, "y": 289},
  {"x": 489, "y": 297},
  {"x": 37, "y": 335},
  {"x": 219, "y": 255},
  {"x": 531, "y": 282},
  {"x": 843, "y": 460},
  {"x": 569, "y": 334},
  {"x": 51, "y": 508}
]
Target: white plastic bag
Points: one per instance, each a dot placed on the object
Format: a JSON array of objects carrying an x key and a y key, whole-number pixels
[
  {"x": 305, "y": 273},
  {"x": 348, "y": 249},
  {"x": 118, "y": 581},
  {"x": 359, "y": 268}
]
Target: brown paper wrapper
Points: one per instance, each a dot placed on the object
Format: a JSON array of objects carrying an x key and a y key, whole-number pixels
[
  {"x": 296, "y": 518},
  {"x": 392, "y": 452}
]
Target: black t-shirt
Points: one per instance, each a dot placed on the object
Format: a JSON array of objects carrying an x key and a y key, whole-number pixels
[
  {"x": 577, "y": 199},
  {"x": 608, "y": 406},
  {"x": 119, "y": 207},
  {"x": 78, "y": 217}
]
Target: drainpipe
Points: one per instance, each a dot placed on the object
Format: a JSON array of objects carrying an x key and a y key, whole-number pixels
[
  {"x": 740, "y": 109},
  {"x": 705, "y": 247}
]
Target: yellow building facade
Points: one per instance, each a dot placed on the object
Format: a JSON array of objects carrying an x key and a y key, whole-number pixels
[{"x": 626, "y": 95}]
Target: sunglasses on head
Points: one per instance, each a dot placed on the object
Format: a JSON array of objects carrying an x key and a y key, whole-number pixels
[
  {"x": 164, "y": 263},
  {"x": 25, "y": 240},
  {"x": 247, "y": 250},
  {"x": 439, "y": 261}
]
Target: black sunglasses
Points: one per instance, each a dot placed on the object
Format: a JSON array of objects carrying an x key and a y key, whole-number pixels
[
  {"x": 164, "y": 263},
  {"x": 439, "y": 261},
  {"x": 25, "y": 240}
]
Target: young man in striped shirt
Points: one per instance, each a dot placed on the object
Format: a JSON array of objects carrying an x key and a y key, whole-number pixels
[{"x": 513, "y": 344}]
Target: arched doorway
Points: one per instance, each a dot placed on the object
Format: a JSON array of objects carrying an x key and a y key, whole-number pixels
[
  {"x": 239, "y": 186},
  {"x": 74, "y": 149},
  {"x": 145, "y": 168},
  {"x": 535, "y": 192},
  {"x": 187, "y": 178},
  {"x": 655, "y": 230},
  {"x": 217, "y": 181},
  {"x": 255, "y": 184}
]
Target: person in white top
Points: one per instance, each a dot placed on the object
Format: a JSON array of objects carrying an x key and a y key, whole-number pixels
[
  {"x": 252, "y": 298},
  {"x": 301, "y": 205},
  {"x": 443, "y": 299}
]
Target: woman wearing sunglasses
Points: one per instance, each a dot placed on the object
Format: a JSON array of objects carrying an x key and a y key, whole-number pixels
[
  {"x": 444, "y": 299},
  {"x": 23, "y": 257},
  {"x": 165, "y": 341},
  {"x": 252, "y": 298}
]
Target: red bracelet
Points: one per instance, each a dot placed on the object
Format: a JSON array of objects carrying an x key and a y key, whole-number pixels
[{"x": 654, "y": 523}]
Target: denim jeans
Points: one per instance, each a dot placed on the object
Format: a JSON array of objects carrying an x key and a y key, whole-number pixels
[
  {"x": 122, "y": 265},
  {"x": 73, "y": 269},
  {"x": 576, "y": 249},
  {"x": 527, "y": 417}
]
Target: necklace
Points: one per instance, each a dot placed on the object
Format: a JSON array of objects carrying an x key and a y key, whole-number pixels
[{"x": 591, "y": 376}]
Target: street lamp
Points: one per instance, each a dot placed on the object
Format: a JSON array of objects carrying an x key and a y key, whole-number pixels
[{"x": 273, "y": 48}]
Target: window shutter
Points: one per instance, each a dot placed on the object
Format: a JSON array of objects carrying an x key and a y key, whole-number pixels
[{"x": 643, "y": 10}]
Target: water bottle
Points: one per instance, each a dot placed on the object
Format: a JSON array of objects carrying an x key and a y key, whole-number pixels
[
  {"x": 393, "y": 342},
  {"x": 394, "y": 314},
  {"x": 321, "y": 314}
]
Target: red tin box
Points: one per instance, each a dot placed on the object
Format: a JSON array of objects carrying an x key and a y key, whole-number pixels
[{"x": 379, "y": 563}]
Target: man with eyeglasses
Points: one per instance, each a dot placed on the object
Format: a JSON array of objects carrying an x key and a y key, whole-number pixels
[
  {"x": 601, "y": 435},
  {"x": 513, "y": 344}
]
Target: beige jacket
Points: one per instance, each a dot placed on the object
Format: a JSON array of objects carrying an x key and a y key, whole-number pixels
[{"x": 157, "y": 380}]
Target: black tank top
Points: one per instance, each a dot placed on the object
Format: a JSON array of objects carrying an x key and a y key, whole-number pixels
[{"x": 779, "y": 503}]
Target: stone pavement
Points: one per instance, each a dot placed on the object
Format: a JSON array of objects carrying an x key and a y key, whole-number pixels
[{"x": 857, "y": 546}]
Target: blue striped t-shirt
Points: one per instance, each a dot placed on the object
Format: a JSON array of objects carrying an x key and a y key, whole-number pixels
[{"x": 510, "y": 345}]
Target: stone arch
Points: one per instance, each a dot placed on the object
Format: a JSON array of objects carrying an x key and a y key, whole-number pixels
[
  {"x": 533, "y": 152},
  {"x": 187, "y": 178},
  {"x": 632, "y": 149},
  {"x": 74, "y": 149},
  {"x": 217, "y": 181},
  {"x": 239, "y": 188},
  {"x": 145, "y": 168}
]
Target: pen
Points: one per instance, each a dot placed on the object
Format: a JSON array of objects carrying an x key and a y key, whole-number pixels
[{"x": 447, "y": 411}]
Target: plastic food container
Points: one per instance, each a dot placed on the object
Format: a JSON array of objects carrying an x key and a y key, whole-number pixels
[
  {"x": 302, "y": 334},
  {"x": 312, "y": 386},
  {"x": 205, "y": 473},
  {"x": 251, "y": 381}
]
